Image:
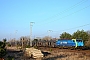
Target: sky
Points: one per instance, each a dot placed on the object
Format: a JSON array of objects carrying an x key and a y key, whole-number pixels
[{"x": 56, "y": 15}]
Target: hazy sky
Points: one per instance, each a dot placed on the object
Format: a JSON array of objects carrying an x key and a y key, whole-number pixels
[{"x": 55, "y": 15}]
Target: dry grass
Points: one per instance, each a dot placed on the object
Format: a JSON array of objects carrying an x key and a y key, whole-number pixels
[{"x": 55, "y": 54}]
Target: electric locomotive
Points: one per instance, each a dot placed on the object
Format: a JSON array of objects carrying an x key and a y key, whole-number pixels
[{"x": 70, "y": 43}]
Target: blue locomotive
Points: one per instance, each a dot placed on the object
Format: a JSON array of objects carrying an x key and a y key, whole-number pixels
[{"x": 70, "y": 43}]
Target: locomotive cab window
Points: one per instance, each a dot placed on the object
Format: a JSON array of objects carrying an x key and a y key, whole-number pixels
[
  {"x": 79, "y": 40},
  {"x": 73, "y": 41}
]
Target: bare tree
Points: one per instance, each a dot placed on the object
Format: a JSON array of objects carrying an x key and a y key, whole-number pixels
[{"x": 46, "y": 38}]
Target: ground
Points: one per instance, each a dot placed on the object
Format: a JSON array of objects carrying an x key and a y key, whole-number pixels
[{"x": 49, "y": 54}]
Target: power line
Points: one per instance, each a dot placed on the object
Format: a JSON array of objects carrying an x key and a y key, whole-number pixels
[
  {"x": 72, "y": 14},
  {"x": 66, "y": 10},
  {"x": 76, "y": 27},
  {"x": 69, "y": 14},
  {"x": 68, "y": 29},
  {"x": 70, "y": 8}
]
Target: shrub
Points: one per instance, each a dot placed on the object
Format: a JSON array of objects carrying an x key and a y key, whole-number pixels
[{"x": 2, "y": 49}]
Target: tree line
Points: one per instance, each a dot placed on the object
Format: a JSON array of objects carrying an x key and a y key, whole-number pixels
[
  {"x": 79, "y": 34},
  {"x": 84, "y": 35}
]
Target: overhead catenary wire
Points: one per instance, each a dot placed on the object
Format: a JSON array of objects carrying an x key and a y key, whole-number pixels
[
  {"x": 64, "y": 11},
  {"x": 75, "y": 27},
  {"x": 72, "y": 14},
  {"x": 68, "y": 14},
  {"x": 68, "y": 29},
  {"x": 70, "y": 8}
]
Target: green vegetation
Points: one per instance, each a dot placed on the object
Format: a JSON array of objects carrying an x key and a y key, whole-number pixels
[
  {"x": 2, "y": 48},
  {"x": 85, "y": 36},
  {"x": 80, "y": 35},
  {"x": 27, "y": 46},
  {"x": 65, "y": 35},
  {"x": 35, "y": 47},
  {"x": 50, "y": 49},
  {"x": 9, "y": 45},
  {"x": 87, "y": 43}
]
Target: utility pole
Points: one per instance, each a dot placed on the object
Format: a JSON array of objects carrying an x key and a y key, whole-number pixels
[
  {"x": 16, "y": 37},
  {"x": 22, "y": 42},
  {"x": 49, "y": 33},
  {"x": 10, "y": 40},
  {"x": 31, "y": 33}
]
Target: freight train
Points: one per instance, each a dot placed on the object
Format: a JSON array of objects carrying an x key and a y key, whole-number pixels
[{"x": 59, "y": 43}]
